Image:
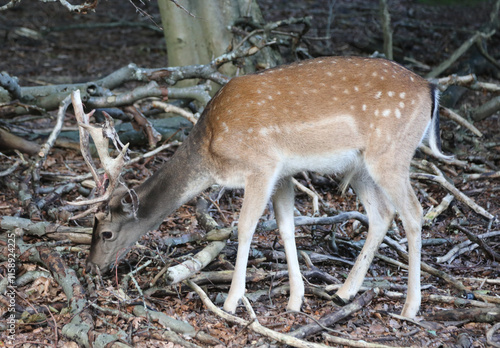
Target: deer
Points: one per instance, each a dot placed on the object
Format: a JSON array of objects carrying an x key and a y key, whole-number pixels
[{"x": 361, "y": 119}]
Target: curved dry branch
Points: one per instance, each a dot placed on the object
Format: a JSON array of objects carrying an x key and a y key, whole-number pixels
[{"x": 440, "y": 179}]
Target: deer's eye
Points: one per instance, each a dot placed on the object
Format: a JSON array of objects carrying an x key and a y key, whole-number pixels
[{"x": 106, "y": 235}]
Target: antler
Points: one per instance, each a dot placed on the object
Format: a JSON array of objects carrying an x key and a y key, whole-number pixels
[{"x": 100, "y": 135}]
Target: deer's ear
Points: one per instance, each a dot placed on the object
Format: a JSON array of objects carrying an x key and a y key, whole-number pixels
[{"x": 129, "y": 203}]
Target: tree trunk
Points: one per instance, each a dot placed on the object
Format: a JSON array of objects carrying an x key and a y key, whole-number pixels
[{"x": 204, "y": 33}]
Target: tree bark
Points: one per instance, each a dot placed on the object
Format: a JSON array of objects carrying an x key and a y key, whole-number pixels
[{"x": 201, "y": 31}]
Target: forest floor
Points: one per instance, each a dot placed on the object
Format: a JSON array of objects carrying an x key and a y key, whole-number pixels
[{"x": 55, "y": 51}]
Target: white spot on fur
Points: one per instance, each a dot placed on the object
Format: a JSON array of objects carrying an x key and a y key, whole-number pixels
[
  {"x": 401, "y": 105},
  {"x": 386, "y": 112},
  {"x": 391, "y": 94},
  {"x": 378, "y": 95},
  {"x": 364, "y": 107},
  {"x": 356, "y": 88},
  {"x": 402, "y": 95},
  {"x": 377, "y": 112},
  {"x": 398, "y": 113}
]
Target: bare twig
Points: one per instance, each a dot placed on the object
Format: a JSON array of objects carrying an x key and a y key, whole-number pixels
[
  {"x": 329, "y": 220},
  {"x": 334, "y": 317},
  {"x": 175, "y": 109},
  {"x": 434, "y": 212},
  {"x": 470, "y": 81},
  {"x": 360, "y": 344},
  {"x": 45, "y": 148},
  {"x": 458, "y": 53},
  {"x": 490, "y": 333},
  {"x": 460, "y": 120},
  {"x": 386, "y": 27},
  {"x": 440, "y": 179},
  {"x": 254, "y": 325},
  {"x": 464, "y": 247},
  {"x": 479, "y": 241},
  {"x": 145, "y": 125},
  {"x": 180, "y": 272},
  {"x": 487, "y": 109},
  {"x": 311, "y": 194}
]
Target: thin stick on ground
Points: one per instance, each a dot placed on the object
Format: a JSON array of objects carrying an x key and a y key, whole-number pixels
[
  {"x": 254, "y": 325},
  {"x": 440, "y": 179}
]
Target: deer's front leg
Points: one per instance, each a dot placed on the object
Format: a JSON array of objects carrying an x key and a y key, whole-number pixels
[{"x": 258, "y": 190}]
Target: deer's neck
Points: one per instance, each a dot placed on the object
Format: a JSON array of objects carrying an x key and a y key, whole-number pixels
[{"x": 183, "y": 177}]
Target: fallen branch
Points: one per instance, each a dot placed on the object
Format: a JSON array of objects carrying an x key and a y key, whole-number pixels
[
  {"x": 79, "y": 235},
  {"x": 310, "y": 193},
  {"x": 186, "y": 269},
  {"x": 175, "y": 109},
  {"x": 464, "y": 247},
  {"x": 458, "y": 53},
  {"x": 330, "y": 220},
  {"x": 475, "y": 239},
  {"x": 482, "y": 176},
  {"x": 489, "y": 336},
  {"x": 486, "y": 110},
  {"x": 254, "y": 325},
  {"x": 434, "y": 212},
  {"x": 424, "y": 266},
  {"x": 81, "y": 326},
  {"x": 330, "y": 319},
  {"x": 451, "y": 300},
  {"x": 45, "y": 148},
  {"x": 448, "y": 113},
  {"x": 175, "y": 325},
  {"x": 470, "y": 81},
  {"x": 440, "y": 179},
  {"x": 475, "y": 315},
  {"x": 141, "y": 122},
  {"x": 351, "y": 343}
]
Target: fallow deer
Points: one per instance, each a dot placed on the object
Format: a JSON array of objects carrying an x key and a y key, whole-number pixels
[{"x": 360, "y": 118}]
